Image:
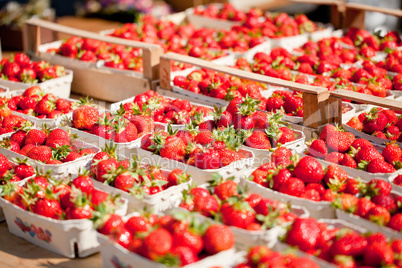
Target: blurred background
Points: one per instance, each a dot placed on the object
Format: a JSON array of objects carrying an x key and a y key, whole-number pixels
[{"x": 14, "y": 13}]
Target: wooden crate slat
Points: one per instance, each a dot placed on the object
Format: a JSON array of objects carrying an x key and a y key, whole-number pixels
[
  {"x": 363, "y": 7},
  {"x": 368, "y": 99}
]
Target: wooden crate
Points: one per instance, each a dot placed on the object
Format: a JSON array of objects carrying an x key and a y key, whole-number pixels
[
  {"x": 319, "y": 107},
  {"x": 110, "y": 85}
]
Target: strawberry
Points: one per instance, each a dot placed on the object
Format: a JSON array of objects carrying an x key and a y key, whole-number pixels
[
  {"x": 63, "y": 104},
  {"x": 207, "y": 205},
  {"x": 385, "y": 201},
  {"x": 84, "y": 117},
  {"x": 84, "y": 183},
  {"x": 368, "y": 153},
  {"x": 48, "y": 208},
  {"x": 293, "y": 186},
  {"x": 204, "y": 137},
  {"x": 24, "y": 150},
  {"x": 308, "y": 170},
  {"x": 379, "y": 215},
  {"x": 45, "y": 107},
  {"x": 355, "y": 123},
  {"x": 218, "y": 238},
  {"x": 173, "y": 148},
  {"x": 348, "y": 161},
  {"x": 112, "y": 225},
  {"x": 378, "y": 166},
  {"x": 40, "y": 153},
  {"x": 363, "y": 207},
  {"x": 237, "y": 213},
  {"x": 395, "y": 222},
  {"x": 326, "y": 131},
  {"x": 35, "y": 137},
  {"x": 377, "y": 254},
  {"x": 392, "y": 153},
  {"x": 137, "y": 224},
  {"x": 335, "y": 157},
  {"x": 351, "y": 244},
  {"x": 279, "y": 178},
  {"x": 177, "y": 176},
  {"x": 23, "y": 170},
  {"x": 158, "y": 243},
  {"x": 282, "y": 156},
  {"x": 124, "y": 131},
  {"x": 318, "y": 148},
  {"x": 303, "y": 234},
  {"x": 374, "y": 121},
  {"x": 339, "y": 141},
  {"x": 346, "y": 202},
  {"x": 335, "y": 178},
  {"x": 353, "y": 186},
  {"x": 259, "y": 140},
  {"x": 209, "y": 159},
  {"x": 72, "y": 156},
  {"x": 58, "y": 133}
]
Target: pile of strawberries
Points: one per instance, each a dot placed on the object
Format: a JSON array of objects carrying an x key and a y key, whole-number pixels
[
  {"x": 393, "y": 63},
  {"x": 203, "y": 149},
  {"x": 262, "y": 256},
  {"x": 114, "y": 127},
  {"x": 19, "y": 68},
  {"x": 258, "y": 129},
  {"x": 272, "y": 25},
  {"x": 35, "y": 102},
  {"x": 11, "y": 123},
  {"x": 305, "y": 178},
  {"x": 378, "y": 122},
  {"x": 132, "y": 176},
  {"x": 371, "y": 79},
  {"x": 232, "y": 206},
  {"x": 60, "y": 200},
  {"x": 341, "y": 147},
  {"x": 204, "y": 43},
  {"x": 175, "y": 240},
  {"x": 363, "y": 38},
  {"x": 89, "y": 50},
  {"x": 51, "y": 147},
  {"x": 374, "y": 202},
  {"x": 12, "y": 173},
  {"x": 163, "y": 110},
  {"x": 218, "y": 85},
  {"x": 343, "y": 247}
]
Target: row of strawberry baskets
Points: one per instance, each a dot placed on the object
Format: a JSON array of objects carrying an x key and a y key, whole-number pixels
[
  {"x": 275, "y": 205},
  {"x": 25, "y": 224},
  {"x": 53, "y": 233}
]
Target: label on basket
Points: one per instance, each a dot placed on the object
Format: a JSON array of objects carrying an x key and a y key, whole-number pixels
[{"x": 32, "y": 230}]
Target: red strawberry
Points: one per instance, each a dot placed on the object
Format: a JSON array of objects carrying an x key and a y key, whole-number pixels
[
  {"x": 351, "y": 244},
  {"x": 318, "y": 148},
  {"x": 84, "y": 183},
  {"x": 293, "y": 186},
  {"x": 309, "y": 170},
  {"x": 218, "y": 238},
  {"x": 377, "y": 254},
  {"x": 339, "y": 141},
  {"x": 40, "y": 153},
  {"x": 35, "y": 137},
  {"x": 395, "y": 222},
  {"x": 303, "y": 234}
]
